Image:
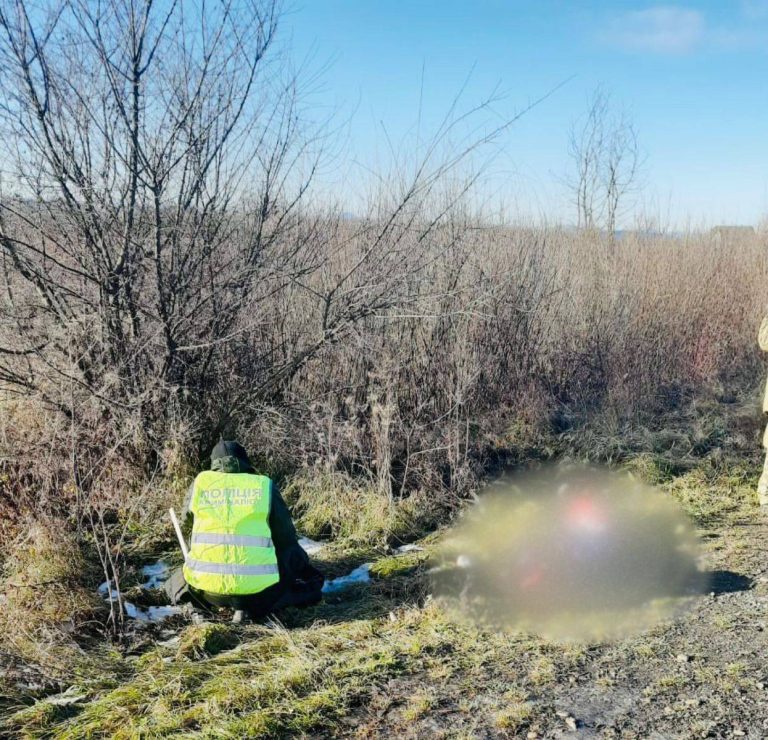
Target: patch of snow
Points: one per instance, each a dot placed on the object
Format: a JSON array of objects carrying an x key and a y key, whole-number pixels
[
  {"x": 70, "y": 696},
  {"x": 361, "y": 574},
  {"x": 151, "y": 613},
  {"x": 310, "y": 546},
  {"x": 107, "y": 592},
  {"x": 132, "y": 611},
  {"x": 157, "y": 574},
  {"x": 159, "y": 613},
  {"x": 173, "y": 642},
  {"x": 408, "y": 548}
]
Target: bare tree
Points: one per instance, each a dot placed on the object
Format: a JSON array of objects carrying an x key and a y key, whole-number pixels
[
  {"x": 151, "y": 153},
  {"x": 603, "y": 146},
  {"x": 586, "y": 147}
]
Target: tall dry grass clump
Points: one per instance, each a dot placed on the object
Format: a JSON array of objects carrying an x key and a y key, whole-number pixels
[
  {"x": 47, "y": 601},
  {"x": 545, "y": 325},
  {"x": 654, "y": 316}
]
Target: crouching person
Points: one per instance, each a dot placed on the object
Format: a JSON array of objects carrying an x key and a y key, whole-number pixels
[{"x": 244, "y": 553}]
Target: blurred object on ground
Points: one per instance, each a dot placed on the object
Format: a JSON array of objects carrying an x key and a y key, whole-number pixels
[{"x": 571, "y": 555}]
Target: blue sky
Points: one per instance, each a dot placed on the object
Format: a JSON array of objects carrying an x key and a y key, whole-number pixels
[{"x": 693, "y": 77}]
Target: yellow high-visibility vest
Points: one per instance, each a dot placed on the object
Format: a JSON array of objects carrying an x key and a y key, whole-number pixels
[{"x": 231, "y": 550}]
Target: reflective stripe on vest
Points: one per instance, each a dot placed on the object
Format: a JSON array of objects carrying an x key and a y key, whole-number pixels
[
  {"x": 244, "y": 540},
  {"x": 201, "y": 566}
]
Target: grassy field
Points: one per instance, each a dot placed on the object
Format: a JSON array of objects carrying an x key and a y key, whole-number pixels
[{"x": 384, "y": 660}]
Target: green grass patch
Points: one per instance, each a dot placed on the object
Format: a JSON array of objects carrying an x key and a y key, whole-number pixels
[
  {"x": 276, "y": 682},
  {"x": 336, "y": 506},
  {"x": 717, "y": 495},
  {"x": 203, "y": 640}
]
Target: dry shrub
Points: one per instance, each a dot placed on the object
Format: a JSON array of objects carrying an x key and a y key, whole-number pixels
[
  {"x": 456, "y": 339},
  {"x": 548, "y": 328},
  {"x": 35, "y": 469}
]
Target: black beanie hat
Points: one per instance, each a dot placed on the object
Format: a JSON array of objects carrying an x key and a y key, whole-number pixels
[{"x": 230, "y": 448}]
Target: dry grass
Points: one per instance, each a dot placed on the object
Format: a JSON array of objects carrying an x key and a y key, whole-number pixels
[
  {"x": 335, "y": 506},
  {"x": 50, "y": 616}
]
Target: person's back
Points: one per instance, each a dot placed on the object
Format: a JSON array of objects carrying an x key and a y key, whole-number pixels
[
  {"x": 231, "y": 551},
  {"x": 244, "y": 552}
]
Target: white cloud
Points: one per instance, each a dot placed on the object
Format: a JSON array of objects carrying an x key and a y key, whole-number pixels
[{"x": 661, "y": 30}]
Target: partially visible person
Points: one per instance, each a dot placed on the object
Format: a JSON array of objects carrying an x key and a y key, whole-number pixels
[
  {"x": 762, "y": 486},
  {"x": 244, "y": 552}
]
